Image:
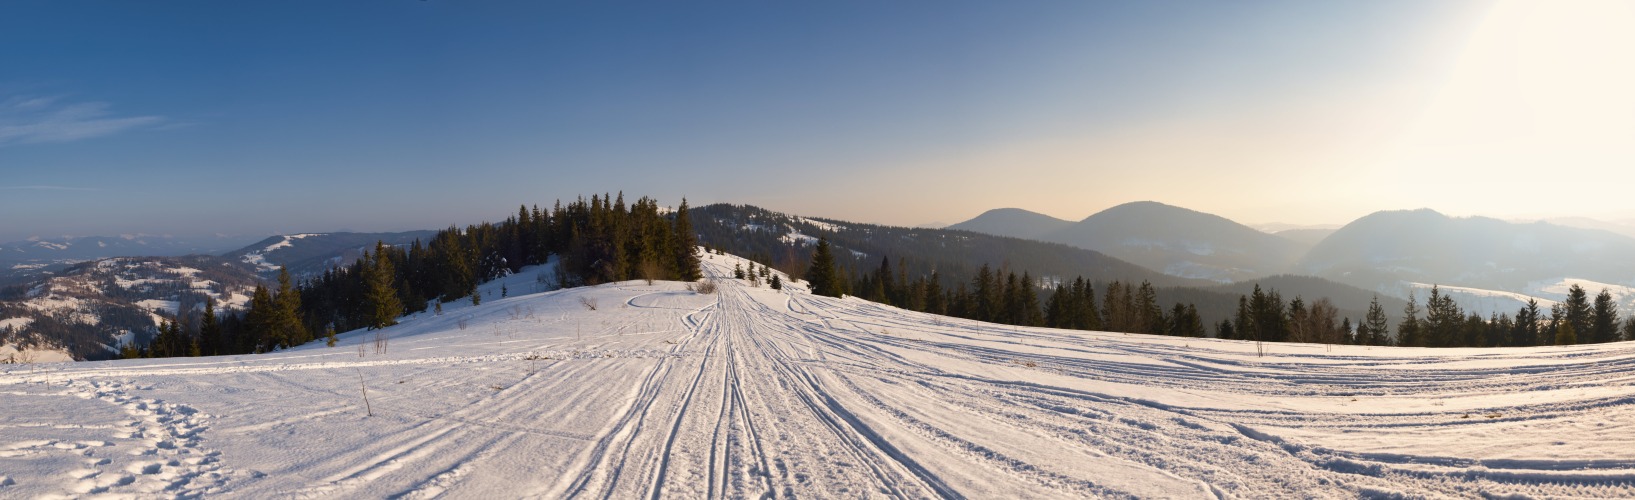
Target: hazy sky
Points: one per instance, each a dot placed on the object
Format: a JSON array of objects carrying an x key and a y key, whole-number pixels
[{"x": 260, "y": 117}]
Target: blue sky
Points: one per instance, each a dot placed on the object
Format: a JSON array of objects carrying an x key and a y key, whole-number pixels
[{"x": 262, "y": 117}]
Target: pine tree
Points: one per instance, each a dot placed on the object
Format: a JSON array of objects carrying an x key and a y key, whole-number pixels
[
  {"x": 1408, "y": 329},
  {"x": 738, "y": 271},
  {"x": 210, "y": 330},
  {"x": 777, "y": 284},
  {"x": 985, "y": 294},
  {"x": 1245, "y": 321},
  {"x": 1270, "y": 321},
  {"x": 1565, "y": 335},
  {"x": 1375, "y": 324},
  {"x": 1576, "y": 310},
  {"x": 1028, "y": 303},
  {"x": 257, "y": 336},
  {"x": 1526, "y": 331},
  {"x": 1116, "y": 307},
  {"x": 160, "y": 347},
  {"x": 822, "y": 276},
  {"x": 287, "y": 329},
  {"x": 1149, "y": 315},
  {"x": 1604, "y": 319},
  {"x": 381, "y": 302}
]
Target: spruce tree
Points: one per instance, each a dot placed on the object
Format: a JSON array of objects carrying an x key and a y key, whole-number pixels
[
  {"x": 1565, "y": 335},
  {"x": 1576, "y": 310},
  {"x": 822, "y": 276},
  {"x": 210, "y": 341},
  {"x": 287, "y": 329},
  {"x": 685, "y": 246},
  {"x": 1604, "y": 319},
  {"x": 777, "y": 284},
  {"x": 1526, "y": 331},
  {"x": 1244, "y": 325},
  {"x": 257, "y": 328},
  {"x": 1408, "y": 329},
  {"x": 1375, "y": 324},
  {"x": 1028, "y": 303},
  {"x": 1149, "y": 315},
  {"x": 381, "y": 303}
]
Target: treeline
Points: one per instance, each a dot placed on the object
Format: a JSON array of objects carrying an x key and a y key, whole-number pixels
[
  {"x": 597, "y": 241},
  {"x": 1004, "y": 297},
  {"x": 1441, "y": 323},
  {"x": 1575, "y": 320},
  {"x": 1263, "y": 315}
]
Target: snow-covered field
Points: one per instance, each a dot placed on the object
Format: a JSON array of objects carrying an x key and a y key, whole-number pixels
[{"x": 750, "y": 392}]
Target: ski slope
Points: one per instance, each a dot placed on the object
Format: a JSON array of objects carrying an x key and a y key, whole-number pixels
[{"x": 751, "y": 392}]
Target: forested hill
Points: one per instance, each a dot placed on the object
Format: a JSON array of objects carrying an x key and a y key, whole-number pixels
[{"x": 785, "y": 241}]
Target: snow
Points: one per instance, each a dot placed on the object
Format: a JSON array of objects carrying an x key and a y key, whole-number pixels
[
  {"x": 168, "y": 306},
  {"x": 821, "y": 225},
  {"x": 796, "y": 238},
  {"x": 1546, "y": 292},
  {"x": 752, "y": 392},
  {"x": 16, "y": 323},
  {"x": 11, "y": 354},
  {"x": 259, "y": 261}
]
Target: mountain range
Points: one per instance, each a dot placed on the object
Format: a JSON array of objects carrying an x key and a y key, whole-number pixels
[
  {"x": 1388, "y": 252},
  {"x": 1172, "y": 240},
  {"x": 87, "y": 302},
  {"x": 40, "y": 256}
]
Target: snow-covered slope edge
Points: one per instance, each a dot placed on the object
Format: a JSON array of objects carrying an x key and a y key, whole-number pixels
[{"x": 630, "y": 390}]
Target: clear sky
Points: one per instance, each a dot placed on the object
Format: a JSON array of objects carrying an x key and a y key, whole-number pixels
[{"x": 261, "y": 117}]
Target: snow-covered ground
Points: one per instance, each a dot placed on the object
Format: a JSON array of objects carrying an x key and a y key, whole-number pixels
[
  {"x": 1548, "y": 292},
  {"x": 633, "y": 390}
]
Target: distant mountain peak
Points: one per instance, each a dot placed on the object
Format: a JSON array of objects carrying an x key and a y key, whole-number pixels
[{"x": 1012, "y": 222}]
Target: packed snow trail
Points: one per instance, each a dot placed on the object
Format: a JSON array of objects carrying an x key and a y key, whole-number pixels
[{"x": 631, "y": 390}]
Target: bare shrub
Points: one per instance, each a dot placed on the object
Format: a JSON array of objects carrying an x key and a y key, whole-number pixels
[
  {"x": 650, "y": 271},
  {"x": 381, "y": 340},
  {"x": 461, "y": 323},
  {"x": 588, "y": 302},
  {"x": 706, "y": 287}
]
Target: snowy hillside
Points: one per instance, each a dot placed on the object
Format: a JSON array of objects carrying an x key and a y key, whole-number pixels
[
  {"x": 91, "y": 308},
  {"x": 311, "y": 253},
  {"x": 633, "y": 390},
  {"x": 1547, "y": 292}
]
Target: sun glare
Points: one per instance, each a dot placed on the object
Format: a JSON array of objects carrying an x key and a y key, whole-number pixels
[{"x": 1538, "y": 83}]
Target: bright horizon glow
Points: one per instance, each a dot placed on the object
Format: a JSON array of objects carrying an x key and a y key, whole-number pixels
[
  {"x": 1538, "y": 107},
  {"x": 396, "y": 116}
]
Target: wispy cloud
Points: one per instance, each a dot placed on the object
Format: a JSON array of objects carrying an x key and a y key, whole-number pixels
[
  {"x": 35, "y": 119},
  {"x": 47, "y": 188}
]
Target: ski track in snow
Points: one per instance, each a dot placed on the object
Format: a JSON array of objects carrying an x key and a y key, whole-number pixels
[{"x": 751, "y": 392}]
